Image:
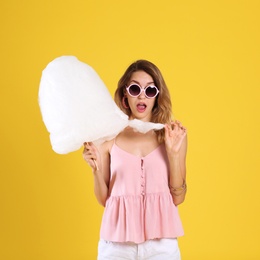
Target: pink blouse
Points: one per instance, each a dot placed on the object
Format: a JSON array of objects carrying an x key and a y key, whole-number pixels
[{"x": 139, "y": 206}]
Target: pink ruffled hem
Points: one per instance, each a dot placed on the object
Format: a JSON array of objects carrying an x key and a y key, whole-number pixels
[{"x": 139, "y": 218}]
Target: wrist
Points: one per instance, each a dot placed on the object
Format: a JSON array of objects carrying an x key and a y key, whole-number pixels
[
  {"x": 174, "y": 156},
  {"x": 178, "y": 190}
]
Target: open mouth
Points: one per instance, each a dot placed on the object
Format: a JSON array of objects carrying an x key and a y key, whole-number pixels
[{"x": 141, "y": 107}]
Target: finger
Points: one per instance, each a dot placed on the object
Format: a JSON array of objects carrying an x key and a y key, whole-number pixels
[
  {"x": 85, "y": 150},
  {"x": 179, "y": 123},
  {"x": 91, "y": 164},
  {"x": 175, "y": 127},
  {"x": 89, "y": 146},
  {"x": 168, "y": 130},
  {"x": 89, "y": 155},
  {"x": 91, "y": 161},
  {"x": 90, "y": 152},
  {"x": 168, "y": 126},
  {"x": 181, "y": 126},
  {"x": 183, "y": 132},
  {"x": 86, "y": 147},
  {"x": 172, "y": 127},
  {"x": 95, "y": 163}
]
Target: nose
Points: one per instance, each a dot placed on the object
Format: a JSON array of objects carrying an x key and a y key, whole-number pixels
[{"x": 142, "y": 94}]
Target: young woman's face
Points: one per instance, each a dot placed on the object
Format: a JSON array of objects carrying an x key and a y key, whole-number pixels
[{"x": 141, "y": 106}]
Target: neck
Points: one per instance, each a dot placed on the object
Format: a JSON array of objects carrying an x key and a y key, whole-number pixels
[{"x": 133, "y": 131}]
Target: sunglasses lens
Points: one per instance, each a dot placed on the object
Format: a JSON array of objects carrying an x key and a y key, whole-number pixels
[
  {"x": 151, "y": 91},
  {"x": 134, "y": 90}
]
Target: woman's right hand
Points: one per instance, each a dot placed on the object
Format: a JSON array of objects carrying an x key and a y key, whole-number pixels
[{"x": 91, "y": 156}]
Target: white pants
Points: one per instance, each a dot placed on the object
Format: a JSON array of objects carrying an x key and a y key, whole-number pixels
[{"x": 156, "y": 249}]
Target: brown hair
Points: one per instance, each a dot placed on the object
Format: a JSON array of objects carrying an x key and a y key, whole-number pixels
[{"x": 162, "y": 110}]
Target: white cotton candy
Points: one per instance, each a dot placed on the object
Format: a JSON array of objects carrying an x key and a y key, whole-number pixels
[
  {"x": 77, "y": 107},
  {"x": 144, "y": 127}
]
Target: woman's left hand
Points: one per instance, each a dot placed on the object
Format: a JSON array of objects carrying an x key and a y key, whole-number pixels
[{"x": 175, "y": 133}]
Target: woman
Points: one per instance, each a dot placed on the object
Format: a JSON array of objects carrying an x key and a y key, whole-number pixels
[{"x": 141, "y": 178}]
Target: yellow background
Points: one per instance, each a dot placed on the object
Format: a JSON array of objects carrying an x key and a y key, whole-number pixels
[{"x": 208, "y": 52}]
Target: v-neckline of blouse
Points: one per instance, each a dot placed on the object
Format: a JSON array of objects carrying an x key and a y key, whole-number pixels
[{"x": 137, "y": 156}]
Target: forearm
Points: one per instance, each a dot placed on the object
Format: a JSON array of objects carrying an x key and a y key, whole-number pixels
[
  {"x": 99, "y": 161},
  {"x": 100, "y": 187},
  {"x": 177, "y": 178}
]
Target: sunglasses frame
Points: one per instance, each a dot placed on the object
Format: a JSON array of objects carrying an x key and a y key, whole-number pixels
[{"x": 142, "y": 90}]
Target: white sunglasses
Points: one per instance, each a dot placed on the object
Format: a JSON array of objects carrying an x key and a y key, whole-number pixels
[{"x": 135, "y": 90}]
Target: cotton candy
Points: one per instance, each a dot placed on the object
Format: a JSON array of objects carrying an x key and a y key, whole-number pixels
[{"x": 77, "y": 107}]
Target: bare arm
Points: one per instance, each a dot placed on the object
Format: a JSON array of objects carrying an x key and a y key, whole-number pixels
[
  {"x": 176, "y": 147},
  {"x": 99, "y": 160}
]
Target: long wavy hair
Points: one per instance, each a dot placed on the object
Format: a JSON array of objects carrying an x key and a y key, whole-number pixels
[{"x": 162, "y": 110}]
